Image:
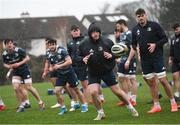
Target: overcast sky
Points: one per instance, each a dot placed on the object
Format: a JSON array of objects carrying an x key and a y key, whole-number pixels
[{"x": 13, "y": 8}]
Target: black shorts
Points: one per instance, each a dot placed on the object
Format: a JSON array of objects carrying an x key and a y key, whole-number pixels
[
  {"x": 153, "y": 65},
  {"x": 24, "y": 73},
  {"x": 69, "y": 77},
  {"x": 131, "y": 70},
  {"x": 53, "y": 74},
  {"x": 175, "y": 66},
  {"x": 109, "y": 78},
  {"x": 81, "y": 72}
]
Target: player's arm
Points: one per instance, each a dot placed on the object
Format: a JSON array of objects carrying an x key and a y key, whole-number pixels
[
  {"x": 133, "y": 49},
  {"x": 162, "y": 35},
  {"x": 8, "y": 66},
  {"x": 46, "y": 69},
  {"x": 171, "y": 54},
  {"x": 25, "y": 60},
  {"x": 68, "y": 61},
  {"x": 131, "y": 55}
]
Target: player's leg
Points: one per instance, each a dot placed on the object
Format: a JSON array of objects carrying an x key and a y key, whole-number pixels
[
  {"x": 134, "y": 90},
  {"x": 73, "y": 82},
  {"x": 110, "y": 80},
  {"x": 34, "y": 92},
  {"x": 2, "y": 105},
  {"x": 53, "y": 78},
  {"x": 176, "y": 79},
  {"x": 24, "y": 92},
  {"x": 161, "y": 75},
  {"x": 16, "y": 81}
]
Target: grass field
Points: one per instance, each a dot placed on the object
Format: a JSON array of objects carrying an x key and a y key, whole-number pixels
[{"x": 114, "y": 114}]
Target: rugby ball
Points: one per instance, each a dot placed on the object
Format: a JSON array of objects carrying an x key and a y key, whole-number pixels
[{"x": 119, "y": 49}]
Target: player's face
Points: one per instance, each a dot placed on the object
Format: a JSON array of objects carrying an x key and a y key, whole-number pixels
[
  {"x": 177, "y": 31},
  {"x": 52, "y": 47},
  {"x": 95, "y": 35},
  {"x": 75, "y": 33},
  {"x": 10, "y": 46},
  {"x": 47, "y": 45},
  {"x": 141, "y": 19},
  {"x": 119, "y": 27},
  {"x": 117, "y": 34}
]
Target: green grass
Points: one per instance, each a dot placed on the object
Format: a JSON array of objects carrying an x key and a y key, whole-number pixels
[{"x": 114, "y": 114}]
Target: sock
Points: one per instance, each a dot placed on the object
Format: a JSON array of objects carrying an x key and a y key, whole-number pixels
[
  {"x": 133, "y": 97},
  {"x": 130, "y": 107},
  {"x": 176, "y": 94},
  {"x": 101, "y": 97},
  {"x": 40, "y": 102},
  {"x": 63, "y": 106},
  {"x": 129, "y": 94},
  {"x": 157, "y": 105},
  {"x": 72, "y": 103},
  {"x": 172, "y": 101},
  {"x": 22, "y": 105},
  {"x": 1, "y": 102},
  {"x": 85, "y": 104},
  {"x": 27, "y": 101},
  {"x": 101, "y": 111}
]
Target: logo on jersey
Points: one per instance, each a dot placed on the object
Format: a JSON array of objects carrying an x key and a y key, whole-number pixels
[
  {"x": 149, "y": 29},
  {"x": 71, "y": 43},
  {"x": 77, "y": 43},
  {"x": 163, "y": 68},
  {"x": 177, "y": 39},
  {"x": 16, "y": 54},
  {"x": 138, "y": 32},
  {"x": 100, "y": 48},
  {"x": 91, "y": 51}
]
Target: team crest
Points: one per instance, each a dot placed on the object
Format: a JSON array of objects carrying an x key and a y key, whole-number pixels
[
  {"x": 78, "y": 43},
  {"x": 100, "y": 48},
  {"x": 138, "y": 32},
  {"x": 149, "y": 29}
]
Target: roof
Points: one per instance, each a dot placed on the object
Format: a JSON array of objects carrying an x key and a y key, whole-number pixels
[
  {"x": 31, "y": 28},
  {"x": 107, "y": 21}
]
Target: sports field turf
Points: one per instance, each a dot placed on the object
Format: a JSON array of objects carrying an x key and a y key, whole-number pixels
[{"x": 114, "y": 114}]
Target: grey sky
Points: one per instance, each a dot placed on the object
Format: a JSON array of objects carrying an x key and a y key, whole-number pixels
[{"x": 13, "y": 8}]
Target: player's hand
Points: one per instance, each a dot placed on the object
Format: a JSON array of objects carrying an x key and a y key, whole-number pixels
[
  {"x": 44, "y": 75},
  {"x": 118, "y": 60},
  {"x": 151, "y": 47},
  {"x": 86, "y": 58},
  {"x": 107, "y": 55},
  {"x": 126, "y": 65},
  {"x": 15, "y": 65},
  {"x": 51, "y": 69},
  {"x": 56, "y": 66}
]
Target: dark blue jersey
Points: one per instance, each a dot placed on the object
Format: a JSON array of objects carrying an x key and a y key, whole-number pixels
[
  {"x": 58, "y": 57},
  {"x": 73, "y": 48},
  {"x": 16, "y": 56},
  {"x": 126, "y": 38},
  {"x": 150, "y": 33},
  {"x": 175, "y": 47}
]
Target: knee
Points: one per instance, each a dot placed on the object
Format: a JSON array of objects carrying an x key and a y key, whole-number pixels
[
  {"x": 29, "y": 87},
  {"x": 16, "y": 88},
  {"x": 163, "y": 81}
]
